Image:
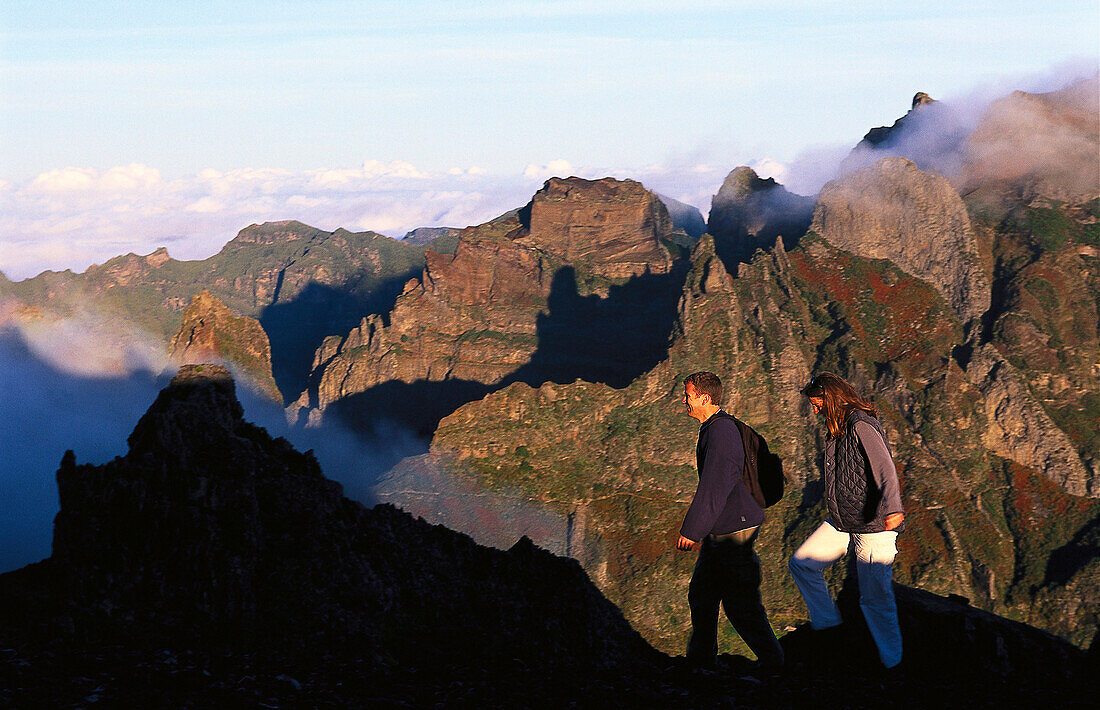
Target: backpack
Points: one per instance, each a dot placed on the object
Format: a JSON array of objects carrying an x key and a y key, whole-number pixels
[{"x": 763, "y": 472}]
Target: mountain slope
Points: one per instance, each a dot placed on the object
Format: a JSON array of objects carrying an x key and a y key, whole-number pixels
[
  {"x": 301, "y": 283},
  {"x": 620, "y": 461}
]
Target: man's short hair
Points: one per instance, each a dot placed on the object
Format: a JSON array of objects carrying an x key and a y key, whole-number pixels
[{"x": 706, "y": 383}]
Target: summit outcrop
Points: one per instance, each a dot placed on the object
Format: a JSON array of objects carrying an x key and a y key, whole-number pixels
[
  {"x": 750, "y": 212},
  {"x": 894, "y": 210},
  {"x": 612, "y": 227}
]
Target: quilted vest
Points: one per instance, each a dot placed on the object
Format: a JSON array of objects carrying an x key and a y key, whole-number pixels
[{"x": 850, "y": 491}]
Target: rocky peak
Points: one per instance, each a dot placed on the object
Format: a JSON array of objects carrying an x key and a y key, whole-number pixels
[
  {"x": 884, "y": 135},
  {"x": 130, "y": 269},
  {"x": 274, "y": 232},
  {"x": 211, "y": 331},
  {"x": 613, "y": 226},
  {"x": 578, "y": 283},
  {"x": 750, "y": 212},
  {"x": 893, "y": 210},
  {"x": 198, "y": 405}
]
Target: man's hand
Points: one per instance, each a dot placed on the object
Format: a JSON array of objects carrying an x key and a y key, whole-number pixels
[
  {"x": 685, "y": 544},
  {"x": 893, "y": 520}
]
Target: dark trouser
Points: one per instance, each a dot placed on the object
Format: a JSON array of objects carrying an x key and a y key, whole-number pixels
[{"x": 728, "y": 572}]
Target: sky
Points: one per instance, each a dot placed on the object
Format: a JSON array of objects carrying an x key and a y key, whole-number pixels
[{"x": 125, "y": 126}]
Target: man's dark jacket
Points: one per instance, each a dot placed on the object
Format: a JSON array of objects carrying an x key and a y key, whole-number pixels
[{"x": 722, "y": 503}]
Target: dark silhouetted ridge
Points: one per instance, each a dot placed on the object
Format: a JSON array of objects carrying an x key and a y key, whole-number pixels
[{"x": 215, "y": 566}]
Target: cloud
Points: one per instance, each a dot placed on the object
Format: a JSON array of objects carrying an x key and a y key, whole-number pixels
[
  {"x": 555, "y": 168},
  {"x": 73, "y": 217},
  {"x": 768, "y": 168},
  {"x": 114, "y": 182},
  {"x": 989, "y": 131},
  {"x": 206, "y": 204}
]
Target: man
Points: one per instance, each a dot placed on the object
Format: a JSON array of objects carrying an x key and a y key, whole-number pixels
[{"x": 722, "y": 524}]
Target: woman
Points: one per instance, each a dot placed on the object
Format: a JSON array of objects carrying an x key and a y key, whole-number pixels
[{"x": 864, "y": 501}]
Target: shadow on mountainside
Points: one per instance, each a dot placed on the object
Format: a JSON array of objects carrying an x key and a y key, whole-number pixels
[
  {"x": 610, "y": 340},
  {"x": 297, "y": 327},
  {"x": 1072, "y": 557},
  {"x": 415, "y": 406}
]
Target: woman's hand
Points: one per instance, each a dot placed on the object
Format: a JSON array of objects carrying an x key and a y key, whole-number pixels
[{"x": 893, "y": 520}]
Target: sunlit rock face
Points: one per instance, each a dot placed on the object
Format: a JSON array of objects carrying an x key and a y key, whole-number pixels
[
  {"x": 613, "y": 227},
  {"x": 211, "y": 332},
  {"x": 577, "y": 284},
  {"x": 893, "y": 210}
]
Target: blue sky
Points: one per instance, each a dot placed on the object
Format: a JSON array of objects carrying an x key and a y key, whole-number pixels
[{"x": 481, "y": 92}]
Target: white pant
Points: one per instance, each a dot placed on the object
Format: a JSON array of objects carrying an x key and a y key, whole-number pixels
[{"x": 874, "y": 556}]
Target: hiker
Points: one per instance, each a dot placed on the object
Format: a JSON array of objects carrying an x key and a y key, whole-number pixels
[
  {"x": 722, "y": 524},
  {"x": 865, "y": 513}
]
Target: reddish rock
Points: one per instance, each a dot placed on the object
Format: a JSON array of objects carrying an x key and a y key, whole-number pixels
[
  {"x": 475, "y": 315},
  {"x": 210, "y": 331},
  {"x": 614, "y": 227}
]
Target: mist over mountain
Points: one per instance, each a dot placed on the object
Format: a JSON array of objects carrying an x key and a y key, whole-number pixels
[
  {"x": 49, "y": 411},
  {"x": 521, "y": 376},
  {"x": 81, "y": 384}
]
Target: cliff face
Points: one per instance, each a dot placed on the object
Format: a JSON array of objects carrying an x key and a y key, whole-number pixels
[
  {"x": 892, "y": 210},
  {"x": 211, "y": 332},
  {"x": 574, "y": 285},
  {"x": 612, "y": 228}
]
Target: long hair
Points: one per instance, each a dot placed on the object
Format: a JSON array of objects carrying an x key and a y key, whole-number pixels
[{"x": 839, "y": 399}]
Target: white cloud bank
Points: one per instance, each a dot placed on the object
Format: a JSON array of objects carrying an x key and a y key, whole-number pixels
[{"x": 72, "y": 217}]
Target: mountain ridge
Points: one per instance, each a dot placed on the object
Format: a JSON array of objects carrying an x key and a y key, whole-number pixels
[
  {"x": 969, "y": 317},
  {"x": 215, "y": 565}
]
